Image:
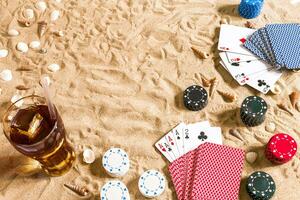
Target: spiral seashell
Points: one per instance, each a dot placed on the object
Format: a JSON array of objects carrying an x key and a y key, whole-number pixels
[
  {"x": 81, "y": 191},
  {"x": 42, "y": 26},
  {"x": 200, "y": 54},
  {"x": 214, "y": 83},
  {"x": 59, "y": 33},
  {"x": 285, "y": 108},
  {"x": 236, "y": 134},
  {"x": 294, "y": 98},
  {"x": 205, "y": 82},
  {"x": 228, "y": 96},
  {"x": 25, "y": 23}
]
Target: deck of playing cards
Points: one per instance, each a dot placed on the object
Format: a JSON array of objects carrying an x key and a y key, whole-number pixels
[
  {"x": 211, "y": 171},
  {"x": 245, "y": 66}
]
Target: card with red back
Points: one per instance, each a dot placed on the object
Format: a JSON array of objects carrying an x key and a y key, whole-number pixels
[{"x": 217, "y": 173}]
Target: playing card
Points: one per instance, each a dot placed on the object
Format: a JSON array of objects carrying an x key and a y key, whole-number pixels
[
  {"x": 172, "y": 143},
  {"x": 188, "y": 130},
  {"x": 266, "y": 47},
  {"x": 178, "y": 136},
  {"x": 232, "y": 38},
  {"x": 163, "y": 146},
  {"x": 217, "y": 172},
  {"x": 242, "y": 72},
  {"x": 236, "y": 57}
]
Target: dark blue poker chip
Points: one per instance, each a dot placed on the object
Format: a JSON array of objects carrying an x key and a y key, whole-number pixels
[{"x": 195, "y": 98}]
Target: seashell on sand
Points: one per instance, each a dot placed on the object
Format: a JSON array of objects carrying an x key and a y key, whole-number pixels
[
  {"x": 28, "y": 168},
  {"x": 249, "y": 24},
  {"x": 228, "y": 96},
  {"x": 251, "y": 157},
  {"x": 25, "y": 23},
  {"x": 54, "y": 67},
  {"x": 81, "y": 191},
  {"x": 22, "y": 47},
  {"x": 22, "y": 87},
  {"x": 59, "y": 33},
  {"x": 28, "y": 13},
  {"x": 13, "y": 32},
  {"x": 3, "y": 53},
  {"x": 205, "y": 82},
  {"x": 6, "y": 75},
  {"x": 276, "y": 89},
  {"x": 43, "y": 50},
  {"x": 16, "y": 98},
  {"x": 54, "y": 15},
  {"x": 35, "y": 44},
  {"x": 214, "y": 83},
  {"x": 285, "y": 108},
  {"x": 236, "y": 134},
  {"x": 88, "y": 156},
  {"x": 42, "y": 26},
  {"x": 270, "y": 127},
  {"x": 200, "y": 54},
  {"x": 41, "y": 5},
  {"x": 294, "y": 98}
]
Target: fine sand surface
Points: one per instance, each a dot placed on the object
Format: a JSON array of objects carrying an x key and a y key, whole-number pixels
[{"x": 124, "y": 65}]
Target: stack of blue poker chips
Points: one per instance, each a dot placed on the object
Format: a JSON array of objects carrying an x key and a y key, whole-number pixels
[{"x": 250, "y": 8}]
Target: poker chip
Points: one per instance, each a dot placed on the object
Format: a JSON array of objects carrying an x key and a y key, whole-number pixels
[
  {"x": 281, "y": 148},
  {"x": 152, "y": 183},
  {"x": 260, "y": 186},
  {"x": 116, "y": 162},
  {"x": 114, "y": 190},
  {"x": 195, "y": 98},
  {"x": 253, "y": 111}
]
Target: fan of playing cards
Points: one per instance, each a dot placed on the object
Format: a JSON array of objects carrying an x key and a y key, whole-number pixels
[
  {"x": 247, "y": 67},
  {"x": 201, "y": 167}
]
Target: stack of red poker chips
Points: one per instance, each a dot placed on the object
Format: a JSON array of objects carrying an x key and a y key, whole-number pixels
[{"x": 281, "y": 148}]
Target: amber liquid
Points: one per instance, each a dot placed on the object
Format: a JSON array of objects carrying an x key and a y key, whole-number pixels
[{"x": 35, "y": 134}]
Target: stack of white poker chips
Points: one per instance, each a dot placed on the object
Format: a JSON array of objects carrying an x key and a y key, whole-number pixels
[
  {"x": 116, "y": 162},
  {"x": 152, "y": 183},
  {"x": 114, "y": 190}
]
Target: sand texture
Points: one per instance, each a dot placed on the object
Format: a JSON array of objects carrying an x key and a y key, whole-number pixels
[{"x": 123, "y": 67}]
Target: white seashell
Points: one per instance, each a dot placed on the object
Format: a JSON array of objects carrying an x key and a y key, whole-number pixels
[
  {"x": 23, "y": 47},
  {"x": 3, "y": 53},
  {"x": 251, "y": 157},
  {"x": 54, "y": 15},
  {"x": 15, "y": 98},
  {"x": 28, "y": 13},
  {"x": 13, "y": 32},
  {"x": 270, "y": 127},
  {"x": 41, "y": 5},
  {"x": 88, "y": 156},
  {"x": 35, "y": 44},
  {"x": 54, "y": 67},
  {"x": 6, "y": 75}
]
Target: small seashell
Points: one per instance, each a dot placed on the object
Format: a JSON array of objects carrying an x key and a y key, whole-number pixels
[
  {"x": 41, "y": 5},
  {"x": 3, "y": 53},
  {"x": 16, "y": 98},
  {"x": 23, "y": 47},
  {"x": 270, "y": 127},
  {"x": 276, "y": 89},
  {"x": 224, "y": 21},
  {"x": 54, "y": 67},
  {"x": 249, "y": 24},
  {"x": 205, "y": 82},
  {"x": 28, "y": 13},
  {"x": 236, "y": 134},
  {"x": 28, "y": 168},
  {"x": 81, "y": 191},
  {"x": 54, "y": 15},
  {"x": 251, "y": 157},
  {"x": 13, "y": 32},
  {"x": 294, "y": 98},
  {"x": 43, "y": 50},
  {"x": 21, "y": 87},
  {"x": 42, "y": 26},
  {"x": 25, "y": 23},
  {"x": 6, "y": 75},
  {"x": 200, "y": 54},
  {"x": 88, "y": 156},
  {"x": 285, "y": 108},
  {"x": 228, "y": 96},
  {"x": 35, "y": 44},
  {"x": 214, "y": 83},
  {"x": 59, "y": 33}
]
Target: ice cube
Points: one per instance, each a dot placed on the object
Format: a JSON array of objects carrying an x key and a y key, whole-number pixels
[{"x": 35, "y": 125}]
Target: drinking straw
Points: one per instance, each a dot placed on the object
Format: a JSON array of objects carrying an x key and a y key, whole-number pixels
[{"x": 47, "y": 96}]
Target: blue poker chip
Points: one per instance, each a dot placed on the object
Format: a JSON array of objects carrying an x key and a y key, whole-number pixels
[
  {"x": 152, "y": 183},
  {"x": 116, "y": 162},
  {"x": 114, "y": 190}
]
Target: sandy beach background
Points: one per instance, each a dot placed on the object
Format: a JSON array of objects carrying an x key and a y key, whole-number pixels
[{"x": 124, "y": 65}]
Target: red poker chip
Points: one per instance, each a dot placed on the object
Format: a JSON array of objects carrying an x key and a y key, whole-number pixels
[{"x": 281, "y": 148}]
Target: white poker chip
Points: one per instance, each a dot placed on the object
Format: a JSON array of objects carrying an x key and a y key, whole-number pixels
[
  {"x": 152, "y": 183},
  {"x": 114, "y": 190},
  {"x": 116, "y": 162}
]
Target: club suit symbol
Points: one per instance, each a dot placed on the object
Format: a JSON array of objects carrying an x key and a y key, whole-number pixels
[{"x": 202, "y": 136}]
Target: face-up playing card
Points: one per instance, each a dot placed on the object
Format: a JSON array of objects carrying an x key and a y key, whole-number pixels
[
  {"x": 217, "y": 172},
  {"x": 177, "y": 133},
  {"x": 163, "y": 146},
  {"x": 232, "y": 39},
  {"x": 242, "y": 72},
  {"x": 236, "y": 57}
]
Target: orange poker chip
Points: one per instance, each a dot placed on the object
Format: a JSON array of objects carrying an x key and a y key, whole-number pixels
[{"x": 281, "y": 148}]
